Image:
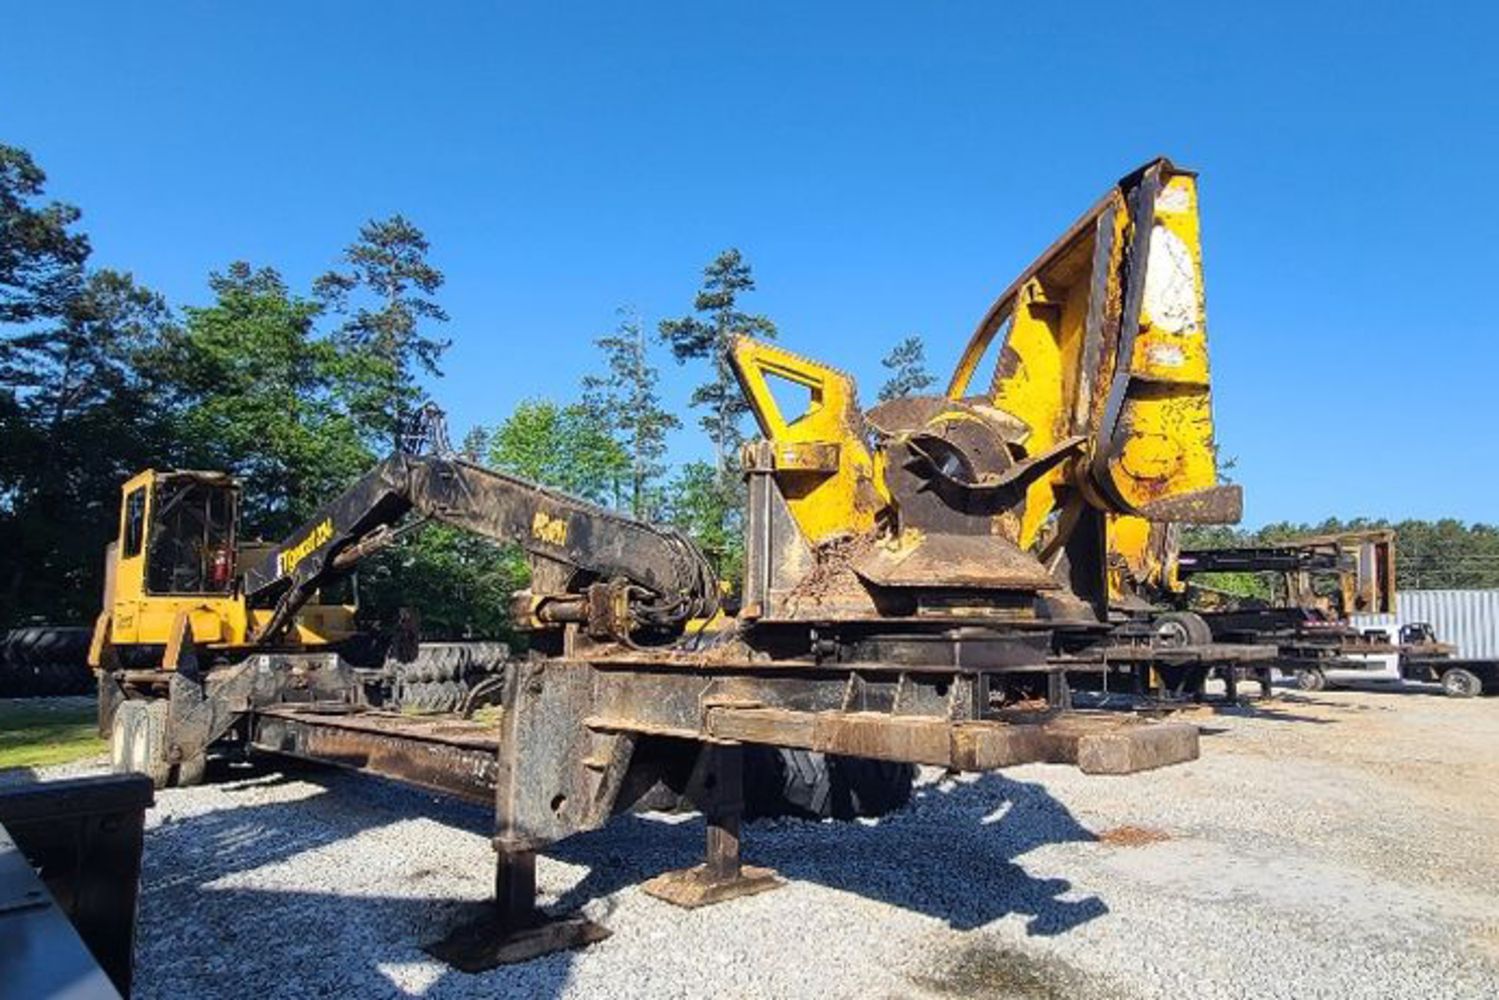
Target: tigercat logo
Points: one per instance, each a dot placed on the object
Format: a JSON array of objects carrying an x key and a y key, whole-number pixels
[
  {"x": 552, "y": 530},
  {"x": 287, "y": 559}
]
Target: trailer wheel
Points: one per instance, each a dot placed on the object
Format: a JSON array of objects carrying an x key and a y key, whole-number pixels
[
  {"x": 1311, "y": 679},
  {"x": 808, "y": 785},
  {"x": 138, "y": 743},
  {"x": 122, "y": 737},
  {"x": 1459, "y": 682},
  {"x": 1175, "y": 629}
]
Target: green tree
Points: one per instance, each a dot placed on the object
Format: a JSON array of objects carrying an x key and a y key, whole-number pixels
[
  {"x": 41, "y": 257},
  {"x": 906, "y": 363},
  {"x": 705, "y": 336},
  {"x": 263, "y": 396},
  {"x": 459, "y": 584},
  {"x": 566, "y": 447},
  {"x": 475, "y": 446},
  {"x": 625, "y": 400},
  {"x": 80, "y": 416},
  {"x": 386, "y": 325},
  {"x": 76, "y": 415},
  {"x": 713, "y": 519}
]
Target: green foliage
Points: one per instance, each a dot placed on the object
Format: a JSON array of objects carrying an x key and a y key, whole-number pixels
[
  {"x": 626, "y": 402},
  {"x": 385, "y": 293},
  {"x": 569, "y": 448},
  {"x": 712, "y": 514},
  {"x": 710, "y": 508},
  {"x": 261, "y": 395},
  {"x": 458, "y": 584},
  {"x": 475, "y": 446},
  {"x": 706, "y": 336},
  {"x": 906, "y": 363},
  {"x": 79, "y": 412},
  {"x": 41, "y": 258}
]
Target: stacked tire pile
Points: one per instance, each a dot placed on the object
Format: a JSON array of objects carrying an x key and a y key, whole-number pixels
[
  {"x": 441, "y": 674},
  {"x": 44, "y": 660}
]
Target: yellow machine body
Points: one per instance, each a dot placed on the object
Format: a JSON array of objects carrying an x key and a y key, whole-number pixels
[
  {"x": 1083, "y": 349},
  {"x": 145, "y": 604},
  {"x": 1077, "y": 426},
  {"x": 824, "y": 469}
]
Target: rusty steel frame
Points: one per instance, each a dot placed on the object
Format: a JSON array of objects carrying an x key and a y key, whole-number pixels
[{"x": 579, "y": 740}]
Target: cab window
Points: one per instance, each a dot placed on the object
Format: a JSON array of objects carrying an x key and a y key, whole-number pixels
[
  {"x": 135, "y": 521},
  {"x": 192, "y": 539}
]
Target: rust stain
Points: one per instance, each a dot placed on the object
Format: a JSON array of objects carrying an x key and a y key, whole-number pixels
[{"x": 1132, "y": 836}]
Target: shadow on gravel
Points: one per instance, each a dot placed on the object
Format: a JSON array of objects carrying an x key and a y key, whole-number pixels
[
  {"x": 1268, "y": 712},
  {"x": 950, "y": 855}
]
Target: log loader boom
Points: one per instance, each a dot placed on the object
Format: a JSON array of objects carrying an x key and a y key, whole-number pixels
[
  {"x": 622, "y": 579},
  {"x": 175, "y": 574}
]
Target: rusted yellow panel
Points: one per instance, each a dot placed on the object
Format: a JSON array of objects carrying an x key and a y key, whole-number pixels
[
  {"x": 821, "y": 463},
  {"x": 1141, "y": 554},
  {"x": 1164, "y": 431},
  {"x": 1098, "y": 345}
]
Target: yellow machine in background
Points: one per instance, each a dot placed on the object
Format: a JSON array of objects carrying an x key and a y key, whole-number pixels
[{"x": 174, "y": 568}]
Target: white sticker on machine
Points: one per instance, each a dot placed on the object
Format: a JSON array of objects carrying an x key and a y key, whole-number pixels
[{"x": 1171, "y": 284}]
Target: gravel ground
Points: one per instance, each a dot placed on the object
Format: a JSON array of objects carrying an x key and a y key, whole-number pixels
[{"x": 1338, "y": 844}]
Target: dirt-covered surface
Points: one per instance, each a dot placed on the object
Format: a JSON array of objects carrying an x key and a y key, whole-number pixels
[{"x": 1340, "y": 844}]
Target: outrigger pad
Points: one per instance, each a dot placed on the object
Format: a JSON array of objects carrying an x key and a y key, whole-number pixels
[
  {"x": 690, "y": 888},
  {"x": 489, "y": 942}
]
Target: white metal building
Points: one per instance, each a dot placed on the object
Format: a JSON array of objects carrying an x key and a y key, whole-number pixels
[{"x": 1469, "y": 619}]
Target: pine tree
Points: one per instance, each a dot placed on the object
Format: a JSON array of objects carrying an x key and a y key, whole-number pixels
[
  {"x": 262, "y": 395},
  {"x": 625, "y": 400},
  {"x": 906, "y": 363},
  {"x": 706, "y": 336},
  {"x": 475, "y": 447},
  {"x": 41, "y": 257},
  {"x": 388, "y": 262}
]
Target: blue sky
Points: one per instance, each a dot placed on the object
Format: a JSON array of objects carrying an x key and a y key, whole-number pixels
[{"x": 887, "y": 168}]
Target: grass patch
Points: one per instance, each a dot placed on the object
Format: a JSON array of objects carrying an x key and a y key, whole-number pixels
[{"x": 35, "y": 732}]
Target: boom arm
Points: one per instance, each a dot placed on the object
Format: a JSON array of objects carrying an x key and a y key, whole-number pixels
[{"x": 622, "y": 578}]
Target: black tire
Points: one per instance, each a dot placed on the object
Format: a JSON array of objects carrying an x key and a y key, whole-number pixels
[
  {"x": 138, "y": 744},
  {"x": 1311, "y": 679},
  {"x": 441, "y": 674},
  {"x": 1459, "y": 682},
  {"x": 875, "y": 787},
  {"x": 1175, "y": 629},
  {"x": 807, "y": 785},
  {"x": 45, "y": 660}
]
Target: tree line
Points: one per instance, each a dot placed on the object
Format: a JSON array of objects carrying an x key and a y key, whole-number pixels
[{"x": 297, "y": 392}]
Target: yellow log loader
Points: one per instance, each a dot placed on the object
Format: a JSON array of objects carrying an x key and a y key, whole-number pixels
[{"x": 915, "y": 579}]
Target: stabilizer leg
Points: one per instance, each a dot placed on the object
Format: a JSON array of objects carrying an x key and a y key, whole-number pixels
[
  {"x": 514, "y": 930},
  {"x": 721, "y": 876}
]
